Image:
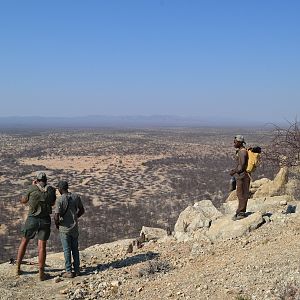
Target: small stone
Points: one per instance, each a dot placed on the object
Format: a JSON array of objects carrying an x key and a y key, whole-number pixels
[
  {"x": 57, "y": 279},
  {"x": 139, "y": 289},
  {"x": 115, "y": 283},
  {"x": 64, "y": 292},
  {"x": 129, "y": 248}
]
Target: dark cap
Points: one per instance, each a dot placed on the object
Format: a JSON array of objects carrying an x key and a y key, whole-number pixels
[
  {"x": 63, "y": 185},
  {"x": 41, "y": 176}
]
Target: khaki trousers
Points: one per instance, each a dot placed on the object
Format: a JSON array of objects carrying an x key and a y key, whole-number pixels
[{"x": 242, "y": 192}]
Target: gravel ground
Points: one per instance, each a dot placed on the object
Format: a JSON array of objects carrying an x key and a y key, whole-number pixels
[{"x": 261, "y": 265}]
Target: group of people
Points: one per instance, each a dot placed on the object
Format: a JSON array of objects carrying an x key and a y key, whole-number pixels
[
  {"x": 40, "y": 198},
  {"x": 68, "y": 208}
]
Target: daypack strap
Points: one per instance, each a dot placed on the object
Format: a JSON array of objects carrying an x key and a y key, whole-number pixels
[{"x": 68, "y": 199}]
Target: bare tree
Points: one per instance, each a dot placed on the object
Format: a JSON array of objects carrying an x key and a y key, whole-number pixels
[{"x": 284, "y": 148}]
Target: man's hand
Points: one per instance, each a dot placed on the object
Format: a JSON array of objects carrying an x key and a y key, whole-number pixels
[{"x": 23, "y": 200}]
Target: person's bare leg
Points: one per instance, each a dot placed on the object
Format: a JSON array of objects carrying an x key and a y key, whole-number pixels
[
  {"x": 42, "y": 258},
  {"x": 21, "y": 253}
]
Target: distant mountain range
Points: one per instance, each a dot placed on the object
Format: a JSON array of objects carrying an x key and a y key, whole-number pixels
[{"x": 117, "y": 121}]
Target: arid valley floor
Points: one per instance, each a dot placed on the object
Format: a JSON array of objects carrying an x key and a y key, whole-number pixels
[{"x": 126, "y": 178}]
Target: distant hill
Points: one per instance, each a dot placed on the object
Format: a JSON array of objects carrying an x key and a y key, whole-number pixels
[{"x": 119, "y": 121}]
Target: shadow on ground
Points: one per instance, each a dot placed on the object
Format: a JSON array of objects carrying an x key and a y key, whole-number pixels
[{"x": 121, "y": 263}]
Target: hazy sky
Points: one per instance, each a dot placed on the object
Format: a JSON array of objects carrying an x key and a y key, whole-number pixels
[{"x": 212, "y": 59}]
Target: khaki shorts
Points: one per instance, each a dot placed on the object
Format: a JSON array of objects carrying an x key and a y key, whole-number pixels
[{"x": 41, "y": 226}]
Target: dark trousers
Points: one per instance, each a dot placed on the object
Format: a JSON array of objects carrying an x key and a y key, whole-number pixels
[{"x": 242, "y": 192}]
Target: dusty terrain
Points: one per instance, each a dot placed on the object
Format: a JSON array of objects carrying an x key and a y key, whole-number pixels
[
  {"x": 126, "y": 178},
  {"x": 263, "y": 264},
  {"x": 207, "y": 255}
]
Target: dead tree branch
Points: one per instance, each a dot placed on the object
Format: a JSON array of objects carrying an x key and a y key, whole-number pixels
[{"x": 284, "y": 148}]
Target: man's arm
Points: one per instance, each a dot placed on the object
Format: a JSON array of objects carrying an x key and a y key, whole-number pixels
[
  {"x": 242, "y": 163},
  {"x": 243, "y": 159},
  {"x": 56, "y": 216},
  {"x": 53, "y": 195},
  {"x": 80, "y": 208},
  {"x": 80, "y": 212},
  {"x": 24, "y": 199}
]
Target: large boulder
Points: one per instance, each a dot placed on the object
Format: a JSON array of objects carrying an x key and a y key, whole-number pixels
[
  {"x": 255, "y": 185},
  {"x": 293, "y": 185},
  {"x": 152, "y": 233},
  {"x": 262, "y": 204},
  {"x": 293, "y": 188},
  {"x": 195, "y": 217},
  {"x": 275, "y": 187},
  {"x": 259, "y": 182},
  {"x": 224, "y": 228},
  {"x": 232, "y": 196}
]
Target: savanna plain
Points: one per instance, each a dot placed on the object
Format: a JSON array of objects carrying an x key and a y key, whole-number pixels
[{"x": 126, "y": 178}]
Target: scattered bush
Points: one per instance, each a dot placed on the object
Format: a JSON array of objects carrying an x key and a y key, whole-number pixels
[
  {"x": 155, "y": 266},
  {"x": 284, "y": 148}
]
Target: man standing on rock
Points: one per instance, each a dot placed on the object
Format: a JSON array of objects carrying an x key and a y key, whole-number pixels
[
  {"x": 68, "y": 209},
  {"x": 40, "y": 198},
  {"x": 242, "y": 177}
]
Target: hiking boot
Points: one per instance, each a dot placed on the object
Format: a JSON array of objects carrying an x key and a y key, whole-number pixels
[
  {"x": 78, "y": 273},
  {"x": 238, "y": 216},
  {"x": 68, "y": 275},
  {"x": 42, "y": 275}
]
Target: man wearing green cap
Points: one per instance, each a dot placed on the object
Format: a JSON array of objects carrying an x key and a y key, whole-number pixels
[{"x": 40, "y": 198}]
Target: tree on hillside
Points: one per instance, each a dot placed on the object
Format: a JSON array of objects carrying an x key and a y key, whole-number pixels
[{"x": 284, "y": 148}]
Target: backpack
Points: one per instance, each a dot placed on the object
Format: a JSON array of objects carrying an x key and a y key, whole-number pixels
[
  {"x": 253, "y": 158},
  {"x": 41, "y": 201}
]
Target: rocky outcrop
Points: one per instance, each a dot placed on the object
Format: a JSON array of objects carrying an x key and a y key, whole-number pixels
[
  {"x": 262, "y": 204},
  {"x": 194, "y": 218},
  {"x": 274, "y": 187},
  {"x": 293, "y": 185},
  {"x": 152, "y": 233},
  {"x": 286, "y": 182},
  {"x": 255, "y": 185},
  {"x": 269, "y": 203},
  {"x": 225, "y": 228}
]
